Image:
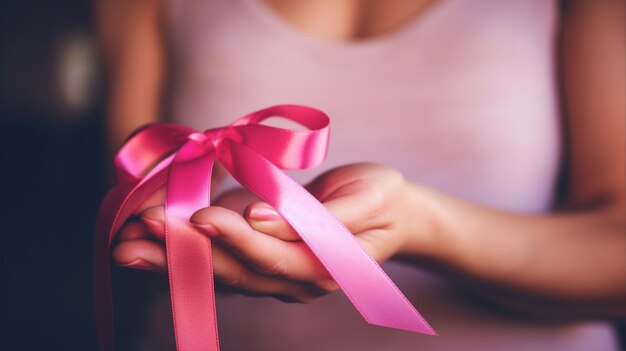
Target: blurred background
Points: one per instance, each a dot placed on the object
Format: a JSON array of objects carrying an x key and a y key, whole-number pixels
[
  {"x": 53, "y": 169},
  {"x": 53, "y": 177}
]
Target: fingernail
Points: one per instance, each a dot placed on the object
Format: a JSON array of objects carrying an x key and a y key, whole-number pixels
[
  {"x": 263, "y": 213},
  {"x": 153, "y": 225},
  {"x": 139, "y": 264},
  {"x": 152, "y": 218},
  {"x": 153, "y": 214},
  {"x": 207, "y": 228}
]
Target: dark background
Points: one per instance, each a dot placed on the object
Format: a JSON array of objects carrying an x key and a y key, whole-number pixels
[
  {"x": 53, "y": 169},
  {"x": 53, "y": 178},
  {"x": 51, "y": 181}
]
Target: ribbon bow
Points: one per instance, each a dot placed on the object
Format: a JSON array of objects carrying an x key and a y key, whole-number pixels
[{"x": 254, "y": 154}]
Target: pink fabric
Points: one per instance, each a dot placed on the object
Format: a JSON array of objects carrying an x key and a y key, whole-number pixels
[
  {"x": 462, "y": 99},
  {"x": 254, "y": 154}
]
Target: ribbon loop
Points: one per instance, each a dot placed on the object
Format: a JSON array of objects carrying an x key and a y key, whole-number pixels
[
  {"x": 287, "y": 149},
  {"x": 254, "y": 154},
  {"x": 146, "y": 147}
]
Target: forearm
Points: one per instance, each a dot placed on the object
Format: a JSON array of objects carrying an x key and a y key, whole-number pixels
[
  {"x": 134, "y": 57},
  {"x": 567, "y": 258}
]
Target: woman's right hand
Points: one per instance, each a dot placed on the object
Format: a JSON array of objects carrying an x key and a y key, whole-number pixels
[
  {"x": 141, "y": 242},
  {"x": 141, "y": 245},
  {"x": 258, "y": 253}
]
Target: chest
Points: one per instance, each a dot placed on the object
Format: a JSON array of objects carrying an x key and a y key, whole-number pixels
[
  {"x": 347, "y": 20},
  {"x": 463, "y": 103}
]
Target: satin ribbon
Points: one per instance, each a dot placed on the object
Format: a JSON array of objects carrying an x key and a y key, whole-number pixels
[{"x": 254, "y": 154}]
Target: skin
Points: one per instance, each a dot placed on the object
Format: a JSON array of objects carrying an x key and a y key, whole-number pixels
[{"x": 570, "y": 263}]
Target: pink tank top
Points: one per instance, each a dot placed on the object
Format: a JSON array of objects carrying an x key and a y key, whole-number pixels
[{"x": 462, "y": 99}]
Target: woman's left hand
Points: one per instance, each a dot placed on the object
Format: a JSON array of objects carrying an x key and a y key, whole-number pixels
[{"x": 371, "y": 200}]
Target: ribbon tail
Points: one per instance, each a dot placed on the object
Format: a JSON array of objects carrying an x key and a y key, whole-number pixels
[
  {"x": 189, "y": 257},
  {"x": 367, "y": 286},
  {"x": 116, "y": 208},
  {"x": 102, "y": 295}
]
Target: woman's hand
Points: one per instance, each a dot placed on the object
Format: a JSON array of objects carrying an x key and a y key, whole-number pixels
[{"x": 259, "y": 253}]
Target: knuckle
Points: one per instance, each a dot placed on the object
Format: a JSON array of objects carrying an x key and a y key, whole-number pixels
[
  {"x": 237, "y": 280},
  {"x": 277, "y": 267},
  {"x": 376, "y": 195}
]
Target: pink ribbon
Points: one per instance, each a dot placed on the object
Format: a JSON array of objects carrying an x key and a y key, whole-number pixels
[{"x": 254, "y": 154}]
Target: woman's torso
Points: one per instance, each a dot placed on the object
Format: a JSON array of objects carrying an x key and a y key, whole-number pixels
[{"x": 462, "y": 99}]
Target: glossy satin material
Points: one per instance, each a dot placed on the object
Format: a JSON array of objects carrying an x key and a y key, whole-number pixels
[{"x": 254, "y": 154}]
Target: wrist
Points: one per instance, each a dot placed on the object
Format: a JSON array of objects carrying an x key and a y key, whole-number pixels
[{"x": 425, "y": 230}]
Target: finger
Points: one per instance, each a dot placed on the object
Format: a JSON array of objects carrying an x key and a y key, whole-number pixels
[
  {"x": 227, "y": 269},
  {"x": 236, "y": 275},
  {"x": 153, "y": 220},
  {"x": 264, "y": 253},
  {"x": 134, "y": 229},
  {"x": 264, "y": 218},
  {"x": 236, "y": 199},
  {"x": 141, "y": 254},
  {"x": 379, "y": 244},
  {"x": 157, "y": 198}
]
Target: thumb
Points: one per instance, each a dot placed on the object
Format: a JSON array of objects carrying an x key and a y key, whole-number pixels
[{"x": 357, "y": 205}]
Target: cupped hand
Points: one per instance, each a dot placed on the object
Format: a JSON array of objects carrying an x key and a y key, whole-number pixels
[{"x": 259, "y": 253}]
